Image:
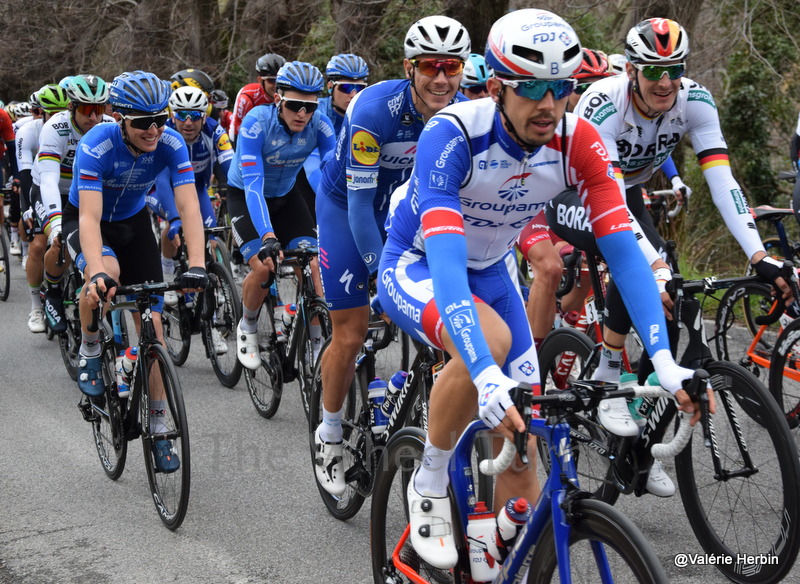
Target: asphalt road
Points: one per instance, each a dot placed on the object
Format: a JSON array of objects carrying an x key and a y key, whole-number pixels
[{"x": 254, "y": 513}]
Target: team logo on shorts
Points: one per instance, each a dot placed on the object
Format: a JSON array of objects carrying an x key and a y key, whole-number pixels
[
  {"x": 527, "y": 368},
  {"x": 365, "y": 149}
]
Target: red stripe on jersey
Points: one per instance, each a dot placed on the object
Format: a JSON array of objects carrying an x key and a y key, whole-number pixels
[{"x": 442, "y": 220}]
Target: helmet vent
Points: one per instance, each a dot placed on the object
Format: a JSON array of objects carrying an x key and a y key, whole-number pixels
[{"x": 528, "y": 54}]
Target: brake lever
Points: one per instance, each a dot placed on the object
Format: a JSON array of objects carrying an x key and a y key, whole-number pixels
[
  {"x": 522, "y": 396},
  {"x": 696, "y": 387}
]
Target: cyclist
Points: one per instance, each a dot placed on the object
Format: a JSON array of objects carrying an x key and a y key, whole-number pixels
[
  {"x": 51, "y": 99},
  {"x": 192, "y": 78},
  {"x": 52, "y": 177},
  {"x": 447, "y": 276},
  {"x": 8, "y": 157},
  {"x": 210, "y": 153},
  {"x": 116, "y": 165},
  {"x": 261, "y": 92},
  {"x": 374, "y": 154},
  {"x": 219, "y": 108},
  {"x": 266, "y": 202},
  {"x": 476, "y": 73},
  {"x": 641, "y": 116},
  {"x": 794, "y": 153}
]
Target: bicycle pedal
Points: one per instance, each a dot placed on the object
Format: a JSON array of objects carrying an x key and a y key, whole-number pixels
[{"x": 87, "y": 411}]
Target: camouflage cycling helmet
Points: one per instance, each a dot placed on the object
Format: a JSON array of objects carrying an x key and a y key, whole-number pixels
[
  {"x": 192, "y": 78},
  {"x": 300, "y": 76},
  {"x": 139, "y": 91},
  {"x": 269, "y": 64},
  {"x": 53, "y": 98},
  {"x": 347, "y": 65},
  {"x": 656, "y": 40},
  {"x": 87, "y": 89}
]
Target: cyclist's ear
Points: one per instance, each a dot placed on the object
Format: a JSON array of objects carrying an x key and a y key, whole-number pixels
[{"x": 408, "y": 68}]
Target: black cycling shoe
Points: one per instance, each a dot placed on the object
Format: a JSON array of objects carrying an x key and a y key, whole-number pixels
[{"x": 54, "y": 310}]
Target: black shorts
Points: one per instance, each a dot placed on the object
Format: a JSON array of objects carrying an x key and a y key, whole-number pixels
[{"x": 131, "y": 240}]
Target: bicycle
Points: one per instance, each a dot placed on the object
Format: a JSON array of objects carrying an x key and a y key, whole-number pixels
[
  {"x": 293, "y": 355},
  {"x": 362, "y": 447},
  {"x": 725, "y": 494},
  {"x": 214, "y": 313},
  {"x": 5, "y": 263},
  {"x": 552, "y": 545},
  {"x": 116, "y": 420}
]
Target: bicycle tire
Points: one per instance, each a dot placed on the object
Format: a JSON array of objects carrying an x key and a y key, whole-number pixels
[
  {"x": 630, "y": 555},
  {"x": 69, "y": 342},
  {"x": 223, "y": 319},
  {"x": 355, "y": 425},
  {"x": 170, "y": 491},
  {"x": 389, "y": 512},
  {"x": 735, "y": 326},
  {"x": 107, "y": 427},
  {"x": 177, "y": 329},
  {"x": 5, "y": 266},
  {"x": 593, "y": 468},
  {"x": 784, "y": 378},
  {"x": 222, "y": 256},
  {"x": 265, "y": 384},
  {"x": 746, "y": 514},
  {"x": 774, "y": 249},
  {"x": 317, "y": 310}
]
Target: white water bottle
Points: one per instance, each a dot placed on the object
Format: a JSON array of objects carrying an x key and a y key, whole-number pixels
[
  {"x": 278, "y": 322},
  {"x": 510, "y": 520},
  {"x": 396, "y": 383},
  {"x": 124, "y": 370},
  {"x": 481, "y": 528}
]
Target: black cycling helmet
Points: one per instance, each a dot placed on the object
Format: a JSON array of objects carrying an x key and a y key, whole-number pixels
[
  {"x": 269, "y": 64},
  {"x": 193, "y": 78}
]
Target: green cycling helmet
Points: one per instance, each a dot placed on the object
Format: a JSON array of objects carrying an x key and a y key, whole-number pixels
[{"x": 53, "y": 98}]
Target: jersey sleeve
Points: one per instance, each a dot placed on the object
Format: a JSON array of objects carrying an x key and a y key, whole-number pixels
[
  {"x": 598, "y": 109},
  {"x": 251, "y": 140},
  {"x": 223, "y": 149},
  {"x": 712, "y": 154}
]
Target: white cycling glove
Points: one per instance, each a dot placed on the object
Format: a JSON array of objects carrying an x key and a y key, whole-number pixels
[
  {"x": 678, "y": 184},
  {"x": 670, "y": 374},
  {"x": 662, "y": 276},
  {"x": 54, "y": 231},
  {"x": 493, "y": 397}
]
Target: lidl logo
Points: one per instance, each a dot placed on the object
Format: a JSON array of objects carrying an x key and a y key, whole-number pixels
[{"x": 365, "y": 149}]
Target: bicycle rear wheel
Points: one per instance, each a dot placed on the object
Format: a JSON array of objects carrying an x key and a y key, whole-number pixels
[
  {"x": 109, "y": 435},
  {"x": 784, "y": 376},
  {"x": 5, "y": 268},
  {"x": 743, "y": 509},
  {"x": 70, "y": 341},
  {"x": 177, "y": 331},
  {"x": 631, "y": 558},
  {"x": 389, "y": 514},
  {"x": 355, "y": 426},
  {"x": 220, "y": 327},
  {"x": 265, "y": 384},
  {"x": 317, "y": 310},
  {"x": 170, "y": 490},
  {"x": 562, "y": 357}
]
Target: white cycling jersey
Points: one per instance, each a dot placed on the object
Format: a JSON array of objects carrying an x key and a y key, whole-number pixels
[
  {"x": 27, "y": 144},
  {"x": 639, "y": 145}
]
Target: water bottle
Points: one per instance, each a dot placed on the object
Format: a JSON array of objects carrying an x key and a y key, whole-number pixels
[
  {"x": 396, "y": 383},
  {"x": 481, "y": 528},
  {"x": 377, "y": 394},
  {"x": 510, "y": 520},
  {"x": 289, "y": 312},
  {"x": 125, "y": 364},
  {"x": 278, "y": 321},
  {"x": 637, "y": 406}
]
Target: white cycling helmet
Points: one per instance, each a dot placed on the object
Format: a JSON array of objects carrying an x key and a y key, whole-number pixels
[
  {"x": 616, "y": 63},
  {"x": 188, "y": 97},
  {"x": 437, "y": 35},
  {"x": 657, "y": 40},
  {"x": 533, "y": 43}
]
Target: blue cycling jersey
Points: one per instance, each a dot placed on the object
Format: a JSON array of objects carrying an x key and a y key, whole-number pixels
[
  {"x": 374, "y": 154},
  {"x": 337, "y": 119},
  {"x": 268, "y": 158},
  {"x": 104, "y": 163}
]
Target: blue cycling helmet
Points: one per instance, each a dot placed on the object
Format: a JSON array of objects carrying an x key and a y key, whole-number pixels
[
  {"x": 299, "y": 76},
  {"x": 476, "y": 71},
  {"x": 347, "y": 65},
  {"x": 139, "y": 91}
]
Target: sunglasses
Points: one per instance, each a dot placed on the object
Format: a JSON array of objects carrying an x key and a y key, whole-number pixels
[
  {"x": 146, "y": 122},
  {"x": 349, "y": 87},
  {"x": 188, "y": 115},
  {"x": 656, "y": 72},
  {"x": 269, "y": 79},
  {"x": 431, "y": 67},
  {"x": 297, "y": 105},
  {"x": 87, "y": 109},
  {"x": 536, "y": 89},
  {"x": 475, "y": 89}
]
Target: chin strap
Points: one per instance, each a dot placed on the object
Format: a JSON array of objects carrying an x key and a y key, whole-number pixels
[
  {"x": 134, "y": 150},
  {"x": 637, "y": 91},
  {"x": 526, "y": 146}
]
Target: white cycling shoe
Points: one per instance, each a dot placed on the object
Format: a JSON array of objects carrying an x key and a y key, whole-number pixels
[
  {"x": 658, "y": 481},
  {"x": 328, "y": 465},
  {"x": 247, "y": 349},
  {"x": 614, "y": 415},
  {"x": 218, "y": 343},
  {"x": 431, "y": 528}
]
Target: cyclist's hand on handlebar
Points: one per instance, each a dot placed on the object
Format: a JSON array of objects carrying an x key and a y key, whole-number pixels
[
  {"x": 663, "y": 275},
  {"x": 102, "y": 286},
  {"x": 682, "y": 192},
  {"x": 270, "y": 253},
  {"x": 690, "y": 406},
  {"x": 194, "y": 279},
  {"x": 495, "y": 406},
  {"x": 770, "y": 270}
]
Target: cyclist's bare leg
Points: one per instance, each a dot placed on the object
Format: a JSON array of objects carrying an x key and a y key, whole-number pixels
[
  {"x": 33, "y": 269},
  {"x": 252, "y": 292},
  {"x": 547, "y": 267},
  {"x": 86, "y": 305},
  {"x": 338, "y": 361},
  {"x": 51, "y": 259}
]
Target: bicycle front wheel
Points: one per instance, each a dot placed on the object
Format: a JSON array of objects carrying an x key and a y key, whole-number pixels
[
  {"x": 355, "y": 426},
  {"x": 177, "y": 331},
  {"x": 747, "y": 505},
  {"x": 265, "y": 384},
  {"x": 784, "y": 375},
  {"x": 70, "y": 341},
  {"x": 306, "y": 345},
  {"x": 630, "y": 556},
  {"x": 164, "y": 426},
  {"x": 5, "y": 268},
  {"x": 220, "y": 328},
  {"x": 109, "y": 436}
]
